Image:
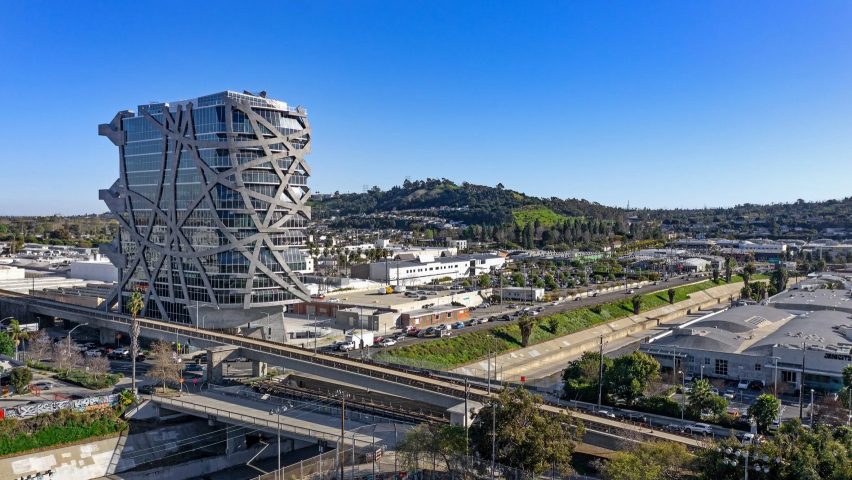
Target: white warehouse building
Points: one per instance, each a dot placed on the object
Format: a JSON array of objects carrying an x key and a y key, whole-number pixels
[{"x": 427, "y": 268}]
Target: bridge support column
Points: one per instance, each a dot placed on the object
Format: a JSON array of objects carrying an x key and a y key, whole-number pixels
[
  {"x": 234, "y": 442},
  {"x": 215, "y": 357},
  {"x": 258, "y": 369},
  {"x": 107, "y": 335}
]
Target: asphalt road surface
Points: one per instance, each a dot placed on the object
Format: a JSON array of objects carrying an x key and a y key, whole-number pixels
[{"x": 564, "y": 306}]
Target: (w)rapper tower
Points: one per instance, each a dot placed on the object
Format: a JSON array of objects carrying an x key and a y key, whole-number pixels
[{"x": 211, "y": 200}]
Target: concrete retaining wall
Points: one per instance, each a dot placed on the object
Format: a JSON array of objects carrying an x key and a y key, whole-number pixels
[
  {"x": 517, "y": 362},
  {"x": 76, "y": 462}
]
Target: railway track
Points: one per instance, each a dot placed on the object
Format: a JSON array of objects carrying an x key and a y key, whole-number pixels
[{"x": 417, "y": 379}]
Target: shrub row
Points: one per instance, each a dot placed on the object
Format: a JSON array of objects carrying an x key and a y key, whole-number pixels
[{"x": 60, "y": 427}]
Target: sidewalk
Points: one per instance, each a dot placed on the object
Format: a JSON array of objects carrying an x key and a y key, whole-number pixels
[{"x": 548, "y": 357}]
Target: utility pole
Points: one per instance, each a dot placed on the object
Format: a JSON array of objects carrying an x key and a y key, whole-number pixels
[
  {"x": 342, "y": 430},
  {"x": 493, "y": 435},
  {"x": 600, "y": 375},
  {"x": 466, "y": 434},
  {"x": 802, "y": 383}
]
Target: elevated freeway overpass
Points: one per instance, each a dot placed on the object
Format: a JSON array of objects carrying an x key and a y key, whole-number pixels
[{"x": 401, "y": 382}]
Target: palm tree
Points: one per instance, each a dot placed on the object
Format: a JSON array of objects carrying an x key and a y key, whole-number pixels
[
  {"x": 748, "y": 271},
  {"x": 637, "y": 303},
  {"x": 526, "y": 324},
  {"x": 14, "y": 331},
  {"x": 135, "y": 304},
  {"x": 729, "y": 269}
]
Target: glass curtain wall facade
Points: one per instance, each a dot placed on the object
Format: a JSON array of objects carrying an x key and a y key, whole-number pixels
[{"x": 211, "y": 199}]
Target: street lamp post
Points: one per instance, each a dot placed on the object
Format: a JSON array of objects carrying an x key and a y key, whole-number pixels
[
  {"x": 702, "y": 372},
  {"x": 812, "y": 408},
  {"x": 682, "y": 394},
  {"x": 197, "y": 318},
  {"x": 278, "y": 411}
]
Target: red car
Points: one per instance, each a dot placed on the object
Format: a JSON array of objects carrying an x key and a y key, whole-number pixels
[{"x": 413, "y": 332}]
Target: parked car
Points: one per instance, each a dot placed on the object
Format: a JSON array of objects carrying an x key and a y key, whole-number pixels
[
  {"x": 43, "y": 385},
  {"x": 746, "y": 438},
  {"x": 194, "y": 367},
  {"x": 413, "y": 332},
  {"x": 485, "y": 319},
  {"x": 441, "y": 327},
  {"x": 743, "y": 384},
  {"x": 605, "y": 413},
  {"x": 94, "y": 352},
  {"x": 446, "y": 333},
  {"x": 631, "y": 291},
  {"x": 729, "y": 394},
  {"x": 346, "y": 346},
  {"x": 756, "y": 385},
  {"x": 387, "y": 342},
  {"x": 714, "y": 390},
  {"x": 702, "y": 428},
  {"x": 458, "y": 325},
  {"x": 506, "y": 318},
  {"x": 472, "y": 322}
]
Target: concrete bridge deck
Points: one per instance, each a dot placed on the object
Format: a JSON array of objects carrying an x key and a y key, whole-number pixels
[{"x": 396, "y": 381}]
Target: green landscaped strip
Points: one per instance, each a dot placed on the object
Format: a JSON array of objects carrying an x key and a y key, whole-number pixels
[
  {"x": 455, "y": 351},
  {"x": 60, "y": 428}
]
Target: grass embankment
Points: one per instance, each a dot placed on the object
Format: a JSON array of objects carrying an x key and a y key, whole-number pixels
[
  {"x": 458, "y": 350},
  {"x": 530, "y": 214},
  {"x": 57, "y": 428}
]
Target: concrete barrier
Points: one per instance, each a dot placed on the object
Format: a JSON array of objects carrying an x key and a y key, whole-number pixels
[{"x": 82, "y": 461}]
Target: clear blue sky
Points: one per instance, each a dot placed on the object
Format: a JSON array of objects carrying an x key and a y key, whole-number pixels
[{"x": 662, "y": 104}]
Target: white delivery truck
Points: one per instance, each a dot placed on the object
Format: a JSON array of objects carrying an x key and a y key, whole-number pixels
[{"x": 356, "y": 336}]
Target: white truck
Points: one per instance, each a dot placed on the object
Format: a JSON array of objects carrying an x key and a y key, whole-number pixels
[{"x": 356, "y": 337}]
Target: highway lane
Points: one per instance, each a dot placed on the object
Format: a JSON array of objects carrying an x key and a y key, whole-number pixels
[{"x": 497, "y": 311}]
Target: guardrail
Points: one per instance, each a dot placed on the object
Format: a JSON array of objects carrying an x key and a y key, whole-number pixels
[{"x": 269, "y": 423}]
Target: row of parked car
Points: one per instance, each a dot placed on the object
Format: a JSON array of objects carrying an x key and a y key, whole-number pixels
[{"x": 111, "y": 352}]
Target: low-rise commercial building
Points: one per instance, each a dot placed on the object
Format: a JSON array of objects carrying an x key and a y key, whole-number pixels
[
  {"x": 522, "y": 294},
  {"x": 427, "y": 317},
  {"x": 777, "y": 346}
]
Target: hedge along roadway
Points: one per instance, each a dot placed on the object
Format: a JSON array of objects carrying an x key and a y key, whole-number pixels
[{"x": 452, "y": 352}]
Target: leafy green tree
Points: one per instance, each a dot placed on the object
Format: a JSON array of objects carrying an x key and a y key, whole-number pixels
[
  {"x": 553, "y": 324},
  {"x": 847, "y": 385},
  {"x": 7, "y": 345},
  {"x": 630, "y": 375},
  {"x": 484, "y": 281},
  {"x": 671, "y": 293},
  {"x": 526, "y": 324},
  {"x": 21, "y": 378},
  {"x": 779, "y": 278},
  {"x": 429, "y": 444},
  {"x": 764, "y": 409},
  {"x": 650, "y": 461},
  {"x": 526, "y": 437},
  {"x": 636, "y": 301},
  {"x": 581, "y": 377}
]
